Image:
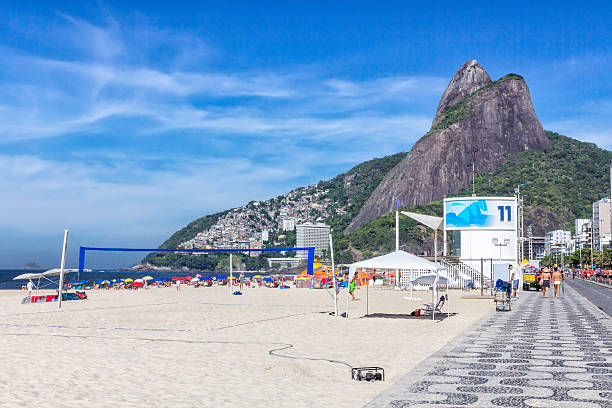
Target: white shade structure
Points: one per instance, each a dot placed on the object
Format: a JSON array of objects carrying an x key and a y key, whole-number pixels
[
  {"x": 50, "y": 272},
  {"x": 397, "y": 260}
]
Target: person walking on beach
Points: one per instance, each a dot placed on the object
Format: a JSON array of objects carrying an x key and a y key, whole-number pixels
[
  {"x": 545, "y": 281},
  {"x": 30, "y": 287},
  {"x": 352, "y": 286},
  {"x": 557, "y": 278},
  {"x": 241, "y": 280},
  {"x": 178, "y": 284}
]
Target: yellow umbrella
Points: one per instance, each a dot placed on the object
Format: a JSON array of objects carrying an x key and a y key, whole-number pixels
[
  {"x": 257, "y": 277},
  {"x": 128, "y": 280}
]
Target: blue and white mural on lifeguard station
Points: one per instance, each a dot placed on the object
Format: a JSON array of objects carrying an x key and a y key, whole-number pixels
[{"x": 479, "y": 213}]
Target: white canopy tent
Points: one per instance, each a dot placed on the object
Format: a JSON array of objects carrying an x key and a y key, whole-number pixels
[
  {"x": 396, "y": 260},
  {"x": 43, "y": 275}
]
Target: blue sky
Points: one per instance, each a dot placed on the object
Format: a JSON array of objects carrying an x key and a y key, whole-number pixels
[{"x": 123, "y": 121}]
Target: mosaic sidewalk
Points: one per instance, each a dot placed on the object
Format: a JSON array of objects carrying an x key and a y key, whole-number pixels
[{"x": 544, "y": 353}]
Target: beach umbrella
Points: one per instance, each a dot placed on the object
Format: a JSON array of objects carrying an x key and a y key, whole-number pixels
[
  {"x": 147, "y": 278},
  {"x": 188, "y": 278},
  {"x": 129, "y": 280},
  {"x": 221, "y": 277},
  {"x": 137, "y": 284},
  {"x": 195, "y": 280},
  {"x": 429, "y": 279},
  {"x": 137, "y": 281},
  {"x": 177, "y": 278},
  {"x": 268, "y": 280},
  {"x": 101, "y": 281},
  {"x": 205, "y": 278},
  {"x": 257, "y": 277}
]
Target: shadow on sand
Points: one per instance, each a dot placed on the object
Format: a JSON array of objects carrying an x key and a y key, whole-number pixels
[{"x": 438, "y": 317}]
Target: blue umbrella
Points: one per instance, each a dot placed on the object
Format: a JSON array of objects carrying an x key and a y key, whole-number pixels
[
  {"x": 206, "y": 278},
  {"x": 219, "y": 277},
  {"x": 268, "y": 280},
  {"x": 77, "y": 282}
]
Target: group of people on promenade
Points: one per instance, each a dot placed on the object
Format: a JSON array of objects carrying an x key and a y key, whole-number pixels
[
  {"x": 545, "y": 278},
  {"x": 556, "y": 276}
]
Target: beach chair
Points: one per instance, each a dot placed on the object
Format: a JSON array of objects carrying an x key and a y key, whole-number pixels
[{"x": 430, "y": 308}]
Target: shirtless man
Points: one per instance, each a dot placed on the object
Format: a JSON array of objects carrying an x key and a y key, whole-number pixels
[
  {"x": 545, "y": 281},
  {"x": 557, "y": 278}
]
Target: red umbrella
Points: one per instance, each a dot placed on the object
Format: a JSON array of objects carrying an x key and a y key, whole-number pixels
[
  {"x": 138, "y": 284},
  {"x": 177, "y": 278},
  {"x": 188, "y": 278}
]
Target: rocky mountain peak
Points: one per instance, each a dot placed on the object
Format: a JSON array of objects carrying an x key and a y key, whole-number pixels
[
  {"x": 477, "y": 121},
  {"x": 468, "y": 79}
]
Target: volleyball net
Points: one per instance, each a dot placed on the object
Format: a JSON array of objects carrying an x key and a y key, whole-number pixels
[{"x": 99, "y": 258}]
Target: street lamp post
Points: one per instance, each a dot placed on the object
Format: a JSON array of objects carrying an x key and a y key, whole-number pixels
[
  {"x": 501, "y": 244},
  {"x": 519, "y": 221}
]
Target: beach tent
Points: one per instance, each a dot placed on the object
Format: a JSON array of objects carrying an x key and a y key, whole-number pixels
[{"x": 393, "y": 261}]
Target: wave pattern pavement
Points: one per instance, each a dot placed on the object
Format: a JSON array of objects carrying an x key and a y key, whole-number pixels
[{"x": 544, "y": 353}]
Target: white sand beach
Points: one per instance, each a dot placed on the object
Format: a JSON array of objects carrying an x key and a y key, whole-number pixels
[{"x": 202, "y": 347}]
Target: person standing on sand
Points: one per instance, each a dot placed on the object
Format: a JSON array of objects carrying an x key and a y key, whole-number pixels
[
  {"x": 30, "y": 287},
  {"x": 352, "y": 286},
  {"x": 178, "y": 284},
  {"x": 545, "y": 281},
  {"x": 557, "y": 278}
]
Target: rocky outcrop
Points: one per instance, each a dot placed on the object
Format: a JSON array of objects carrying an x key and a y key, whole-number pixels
[
  {"x": 470, "y": 78},
  {"x": 477, "y": 121}
]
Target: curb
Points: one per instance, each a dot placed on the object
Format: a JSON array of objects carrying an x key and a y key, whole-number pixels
[{"x": 603, "y": 285}]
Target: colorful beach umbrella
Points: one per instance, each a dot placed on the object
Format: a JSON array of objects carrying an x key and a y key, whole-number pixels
[
  {"x": 129, "y": 280},
  {"x": 147, "y": 278}
]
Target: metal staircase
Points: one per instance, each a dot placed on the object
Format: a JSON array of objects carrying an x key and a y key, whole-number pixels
[{"x": 461, "y": 272}]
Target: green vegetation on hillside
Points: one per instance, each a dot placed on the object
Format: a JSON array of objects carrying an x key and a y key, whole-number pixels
[
  {"x": 191, "y": 230},
  {"x": 460, "y": 110},
  {"x": 565, "y": 180},
  {"x": 354, "y": 187}
]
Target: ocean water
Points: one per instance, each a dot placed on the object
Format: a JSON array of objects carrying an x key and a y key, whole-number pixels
[{"x": 7, "y": 275}]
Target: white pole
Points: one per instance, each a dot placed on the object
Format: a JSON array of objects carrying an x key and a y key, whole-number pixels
[
  {"x": 231, "y": 276},
  {"x": 444, "y": 251},
  {"x": 397, "y": 244},
  {"x": 347, "y": 291},
  {"x": 434, "y": 297},
  {"x": 331, "y": 247},
  {"x": 61, "y": 279},
  {"x": 436, "y": 246}
]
